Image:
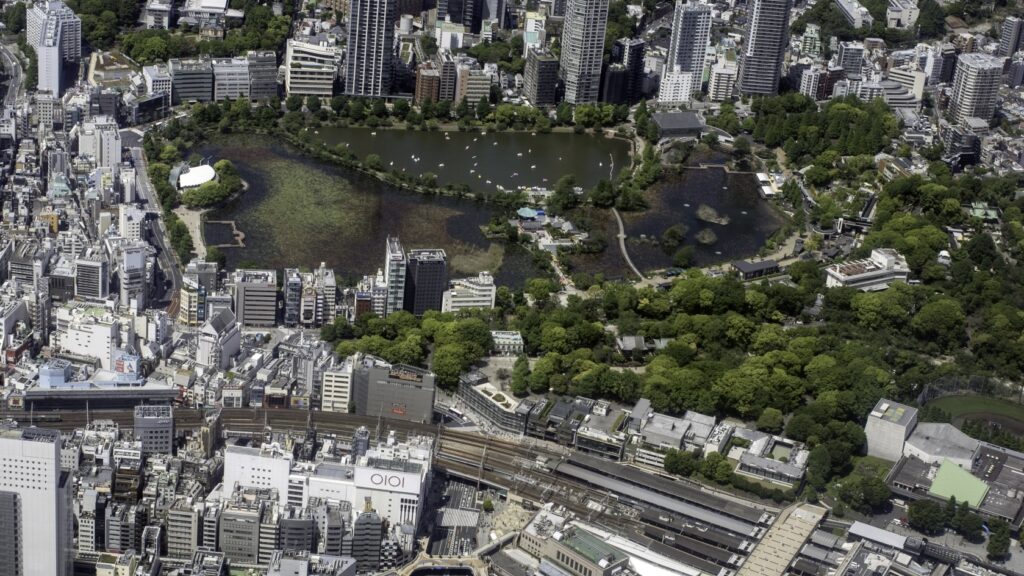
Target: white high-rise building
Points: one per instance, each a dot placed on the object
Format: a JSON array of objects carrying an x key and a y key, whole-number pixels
[
  {"x": 100, "y": 139},
  {"x": 129, "y": 184},
  {"x": 764, "y": 46},
  {"x": 691, "y": 35},
  {"x": 975, "y": 87},
  {"x": 676, "y": 87},
  {"x": 158, "y": 79},
  {"x": 83, "y": 333},
  {"x": 855, "y": 13},
  {"x": 129, "y": 221},
  {"x": 49, "y": 60},
  {"x": 371, "y": 39},
  {"x": 851, "y": 58},
  {"x": 132, "y": 276},
  {"x": 722, "y": 85},
  {"x": 40, "y": 13},
  {"x": 395, "y": 264},
  {"x": 309, "y": 69},
  {"x": 901, "y": 14},
  {"x": 534, "y": 32},
  {"x": 1010, "y": 35},
  {"x": 230, "y": 78},
  {"x": 887, "y": 429},
  {"x": 219, "y": 341},
  {"x": 35, "y": 504},
  {"x": 810, "y": 80},
  {"x": 583, "y": 49}
]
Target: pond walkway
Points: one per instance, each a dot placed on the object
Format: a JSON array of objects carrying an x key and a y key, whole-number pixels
[{"x": 622, "y": 244}]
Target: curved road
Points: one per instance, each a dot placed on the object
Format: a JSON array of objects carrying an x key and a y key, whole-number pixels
[
  {"x": 622, "y": 243},
  {"x": 13, "y": 68}
]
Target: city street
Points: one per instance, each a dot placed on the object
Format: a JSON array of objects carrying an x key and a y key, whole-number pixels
[{"x": 168, "y": 261}]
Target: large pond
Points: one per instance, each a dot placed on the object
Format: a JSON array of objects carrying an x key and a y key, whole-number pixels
[
  {"x": 484, "y": 161},
  {"x": 720, "y": 214},
  {"x": 300, "y": 212}
]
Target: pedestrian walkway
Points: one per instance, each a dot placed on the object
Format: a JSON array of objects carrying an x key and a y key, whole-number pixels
[{"x": 622, "y": 244}]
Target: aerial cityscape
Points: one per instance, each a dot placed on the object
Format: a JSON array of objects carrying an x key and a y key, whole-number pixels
[{"x": 512, "y": 287}]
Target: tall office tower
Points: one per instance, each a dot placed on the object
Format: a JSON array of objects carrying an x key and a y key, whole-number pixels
[
  {"x": 472, "y": 13},
  {"x": 948, "y": 53},
  {"x": 394, "y": 275},
  {"x": 851, "y": 58},
  {"x": 292, "y": 296},
  {"x": 449, "y": 10},
  {"x": 583, "y": 49},
  {"x": 371, "y": 38},
  {"x": 1010, "y": 36},
  {"x": 92, "y": 278},
  {"x": 367, "y": 534},
  {"x": 613, "y": 84},
  {"x": 426, "y": 280},
  {"x": 41, "y": 13},
  {"x": 691, "y": 35},
  {"x": 449, "y": 79},
  {"x": 255, "y": 297},
  {"x": 630, "y": 53},
  {"x": 154, "y": 427},
  {"x": 767, "y": 37},
  {"x": 540, "y": 80},
  {"x": 493, "y": 10},
  {"x": 975, "y": 87},
  {"x": 262, "y": 74},
  {"x": 35, "y": 504}
]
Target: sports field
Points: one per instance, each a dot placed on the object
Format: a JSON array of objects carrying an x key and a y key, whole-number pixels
[{"x": 1008, "y": 414}]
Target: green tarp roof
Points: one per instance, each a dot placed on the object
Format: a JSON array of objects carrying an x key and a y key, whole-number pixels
[{"x": 952, "y": 480}]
